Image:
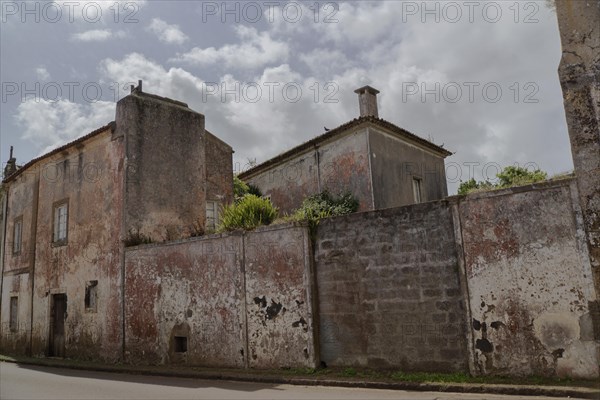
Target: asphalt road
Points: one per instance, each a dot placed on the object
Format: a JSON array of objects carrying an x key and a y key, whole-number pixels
[{"x": 32, "y": 382}]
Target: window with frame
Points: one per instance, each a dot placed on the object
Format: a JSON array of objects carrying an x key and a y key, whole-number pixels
[
  {"x": 17, "y": 235},
  {"x": 13, "y": 321},
  {"x": 212, "y": 215},
  {"x": 61, "y": 215},
  {"x": 417, "y": 190},
  {"x": 91, "y": 296}
]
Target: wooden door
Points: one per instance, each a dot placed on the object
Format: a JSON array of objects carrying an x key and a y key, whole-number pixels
[{"x": 57, "y": 325}]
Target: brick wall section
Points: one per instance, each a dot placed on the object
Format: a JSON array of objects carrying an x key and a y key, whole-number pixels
[
  {"x": 530, "y": 282},
  {"x": 389, "y": 290}
]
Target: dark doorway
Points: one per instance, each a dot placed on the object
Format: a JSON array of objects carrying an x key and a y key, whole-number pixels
[{"x": 57, "y": 325}]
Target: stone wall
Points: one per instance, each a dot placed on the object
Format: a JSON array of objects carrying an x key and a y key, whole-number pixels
[
  {"x": 579, "y": 73},
  {"x": 89, "y": 172},
  {"x": 529, "y": 281},
  {"x": 237, "y": 299},
  {"x": 279, "y": 298},
  {"x": 389, "y": 290},
  {"x": 192, "y": 289},
  {"x": 85, "y": 174},
  {"x": 494, "y": 283},
  {"x": 165, "y": 189},
  {"x": 219, "y": 164}
]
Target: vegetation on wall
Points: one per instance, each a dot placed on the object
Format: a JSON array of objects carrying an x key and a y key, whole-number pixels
[
  {"x": 323, "y": 205},
  {"x": 508, "y": 177},
  {"x": 248, "y": 212},
  {"x": 136, "y": 238},
  {"x": 241, "y": 188}
]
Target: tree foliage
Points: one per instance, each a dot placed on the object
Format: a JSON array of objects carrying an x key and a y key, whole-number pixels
[{"x": 508, "y": 177}]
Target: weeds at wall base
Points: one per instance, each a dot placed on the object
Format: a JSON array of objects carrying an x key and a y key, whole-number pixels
[{"x": 348, "y": 374}]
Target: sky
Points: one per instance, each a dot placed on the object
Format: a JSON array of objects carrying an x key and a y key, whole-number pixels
[{"x": 478, "y": 77}]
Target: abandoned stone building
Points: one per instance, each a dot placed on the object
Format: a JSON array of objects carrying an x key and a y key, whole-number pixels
[
  {"x": 380, "y": 163},
  {"x": 68, "y": 212}
]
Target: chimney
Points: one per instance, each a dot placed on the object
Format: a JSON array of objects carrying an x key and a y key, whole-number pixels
[
  {"x": 367, "y": 100},
  {"x": 137, "y": 89},
  {"x": 11, "y": 165}
]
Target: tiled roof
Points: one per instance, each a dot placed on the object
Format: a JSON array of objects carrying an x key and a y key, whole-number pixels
[
  {"x": 58, "y": 150},
  {"x": 337, "y": 131}
]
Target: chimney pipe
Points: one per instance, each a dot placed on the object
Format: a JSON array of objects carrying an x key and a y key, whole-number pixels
[{"x": 367, "y": 101}]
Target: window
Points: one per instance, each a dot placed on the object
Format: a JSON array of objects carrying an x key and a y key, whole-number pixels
[
  {"x": 180, "y": 344},
  {"x": 14, "y": 309},
  {"x": 61, "y": 215},
  {"x": 91, "y": 296},
  {"x": 212, "y": 215},
  {"x": 417, "y": 190},
  {"x": 17, "y": 234}
]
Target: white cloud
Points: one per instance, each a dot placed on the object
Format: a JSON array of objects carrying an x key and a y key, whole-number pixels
[
  {"x": 176, "y": 83},
  {"x": 325, "y": 61},
  {"x": 386, "y": 55},
  {"x": 167, "y": 33},
  {"x": 97, "y": 35},
  {"x": 52, "y": 124},
  {"x": 42, "y": 73},
  {"x": 255, "y": 50}
]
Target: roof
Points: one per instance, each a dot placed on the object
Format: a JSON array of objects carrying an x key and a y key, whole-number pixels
[
  {"x": 315, "y": 142},
  {"x": 90, "y": 135}
]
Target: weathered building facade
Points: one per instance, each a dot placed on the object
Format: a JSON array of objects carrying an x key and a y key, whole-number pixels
[
  {"x": 489, "y": 283},
  {"x": 69, "y": 214},
  {"x": 380, "y": 163}
]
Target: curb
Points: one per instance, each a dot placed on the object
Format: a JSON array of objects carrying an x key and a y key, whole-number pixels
[{"x": 549, "y": 391}]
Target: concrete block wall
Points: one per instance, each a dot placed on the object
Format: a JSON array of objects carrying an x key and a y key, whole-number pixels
[
  {"x": 496, "y": 283},
  {"x": 389, "y": 290}
]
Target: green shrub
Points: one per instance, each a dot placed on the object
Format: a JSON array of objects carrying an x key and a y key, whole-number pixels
[
  {"x": 241, "y": 188},
  {"x": 253, "y": 189},
  {"x": 323, "y": 205},
  {"x": 247, "y": 213}
]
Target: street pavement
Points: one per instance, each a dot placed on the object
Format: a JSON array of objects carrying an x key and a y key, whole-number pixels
[{"x": 35, "y": 382}]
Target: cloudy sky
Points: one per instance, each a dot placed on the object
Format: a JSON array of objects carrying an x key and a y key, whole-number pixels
[{"x": 478, "y": 77}]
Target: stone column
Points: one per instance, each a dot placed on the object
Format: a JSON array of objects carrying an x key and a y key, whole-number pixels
[{"x": 579, "y": 71}]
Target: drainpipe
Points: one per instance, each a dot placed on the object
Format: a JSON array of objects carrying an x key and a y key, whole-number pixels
[
  {"x": 2, "y": 246},
  {"x": 34, "y": 218},
  {"x": 317, "y": 158}
]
